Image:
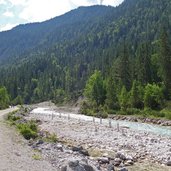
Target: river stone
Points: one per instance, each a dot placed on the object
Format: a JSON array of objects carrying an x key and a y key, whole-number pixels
[
  {"x": 39, "y": 142},
  {"x": 73, "y": 163},
  {"x": 60, "y": 147},
  {"x": 103, "y": 160},
  {"x": 64, "y": 168},
  {"x": 129, "y": 163},
  {"x": 117, "y": 161},
  {"x": 79, "y": 148},
  {"x": 129, "y": 158},
  {"x": 120, "y": 155},
  {"x": 110, "y": 167},
  {"x": 168, "y": 163},
  {"x": 76, "y": 165},
  {"x": 84, "y": 152},
  {"x": 123, "y": 169}
]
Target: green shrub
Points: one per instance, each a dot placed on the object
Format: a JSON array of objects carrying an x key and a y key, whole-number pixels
[
  {"x": 28, "y": 130},
  {"x": 136, "y": 95},
  {"x": 52, "y": 138},
  {"x": 167, "y": 113},
  {"x": 133, "y": 111},
  {"x": 153, "y": 113},
  {"x": 12, "y": 118},
  {"x": 153, "y": 96},
  {"x": 91, "y": 109}
]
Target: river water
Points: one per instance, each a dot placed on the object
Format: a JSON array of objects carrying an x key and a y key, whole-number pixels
[{"x": 160, "y": 130}]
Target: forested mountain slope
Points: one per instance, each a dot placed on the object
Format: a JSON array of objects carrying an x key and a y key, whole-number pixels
[
  {"x": 54, "y": 59},
  {"x": 24, "y": 38}
]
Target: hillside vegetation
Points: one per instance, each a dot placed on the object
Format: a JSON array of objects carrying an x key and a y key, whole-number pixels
[{"x": 119, "y": 58}]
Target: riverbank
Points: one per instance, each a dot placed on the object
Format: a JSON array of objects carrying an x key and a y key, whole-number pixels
[{"x": 102, "y": 141}]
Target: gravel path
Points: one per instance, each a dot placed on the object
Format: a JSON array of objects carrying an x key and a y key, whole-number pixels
[{"x": 15, "y": 154}]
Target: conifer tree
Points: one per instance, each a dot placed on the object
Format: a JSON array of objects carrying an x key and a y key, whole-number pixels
[
  {"x": 144, "y": 64},
  {"x": 136, "y": 95},
  {"x": 111, "y": 94},
  {"x": 165, "y": 61},
  {"x": 124, "y": 68}
]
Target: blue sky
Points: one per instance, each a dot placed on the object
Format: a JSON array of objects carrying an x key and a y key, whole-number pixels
[{"x": 14, "y": 12}]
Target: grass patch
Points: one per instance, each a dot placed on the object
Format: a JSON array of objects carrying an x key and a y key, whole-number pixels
[
  {"x": 95, "y": 152},
  {"x": 37, "y": 157},
  {"x": 51, "y": 138},
  {"x": 11, "y": 118},
  {"x": 166, "y": 113},
  {"x": 28, "y": 130}
]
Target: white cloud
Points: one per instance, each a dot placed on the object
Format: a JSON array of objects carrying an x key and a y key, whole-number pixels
[
  {"x": 8, "y": 27},
  {"x": 82, "y": 2},
  {"x": 18, "y": 2},
  {"x": 2, "y": 2},
  {"x": 112, "y": 2},
  {"x": 8, "y": 14},
  {"x": 38, "y": 10},
  {"x": 41, "y": 10}
]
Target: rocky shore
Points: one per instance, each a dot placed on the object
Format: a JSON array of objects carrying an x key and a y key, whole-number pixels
[{"x": 102, "y": 147}]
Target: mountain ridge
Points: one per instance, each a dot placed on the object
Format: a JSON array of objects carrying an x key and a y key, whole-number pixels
[
  {"x": 34, "y": 33},
  {"x": 93, "y": 38}
]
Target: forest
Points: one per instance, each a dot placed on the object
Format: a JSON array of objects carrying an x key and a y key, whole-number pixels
[{"x": 118, "y": 59}]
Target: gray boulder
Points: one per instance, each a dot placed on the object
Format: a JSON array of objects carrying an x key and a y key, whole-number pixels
[
  {"x": 76, "y": 165},
  {"x": 168, "y": 163},
  {"x": 123, "y": 169},
  {"x": 110, "y": 167}
]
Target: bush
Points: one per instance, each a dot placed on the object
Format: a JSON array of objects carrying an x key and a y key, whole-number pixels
[
  {"x": 91, "y": 109},
  {"x": 28, "y": 130},
  {"x": 153, "y": 113},
  {"x": 52, "y": 138},
  {"x": 167, "y": 113},
  {"x": 12, "y": 118},
  {"x": 153, "y": 97},
  {"x": 136, "y": 96},
  {"x": 88, "y": 108},
  {"x": 130, "y": 111}
]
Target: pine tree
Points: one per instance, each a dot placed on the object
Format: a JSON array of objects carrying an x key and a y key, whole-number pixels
[
  {"x": 123, "y": 99},
  {"x": 124, "y": 69},
  {"x": 144, "y": 64},
  {"x": 165, "y": 61},
  {"x": 111, "y": 94},
  {"x": 136, "y": 95},
  {"x": 4, "y": 98}
]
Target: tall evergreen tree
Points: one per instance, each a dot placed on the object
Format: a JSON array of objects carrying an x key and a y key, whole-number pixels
[
  {"x": 165, "y": 61},
  {"x": 4, "y": 98},
  {"x": 111, "y": 94},
  {"x": 144, "y": 64},
  {"x": 123, "y": 99},
  {"x": 136, "y": 95},
  {"x": 124, "y": 68}
]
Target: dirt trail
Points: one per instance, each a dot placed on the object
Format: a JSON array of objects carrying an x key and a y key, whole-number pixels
[{"x": 15, "y": 154}]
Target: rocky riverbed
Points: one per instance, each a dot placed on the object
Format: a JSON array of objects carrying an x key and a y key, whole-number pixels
[{"x": 102, "y": 146}]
